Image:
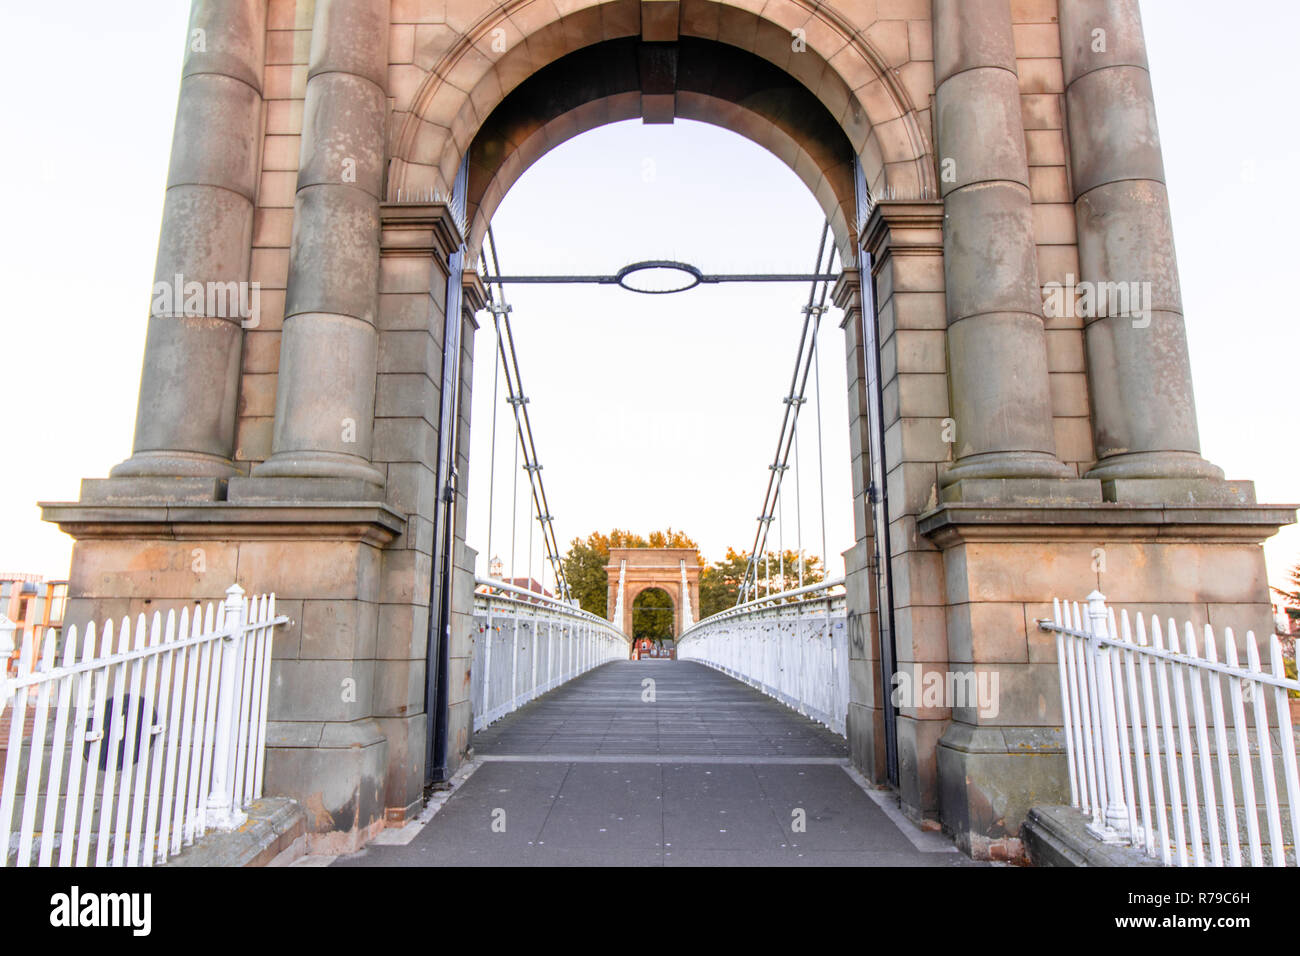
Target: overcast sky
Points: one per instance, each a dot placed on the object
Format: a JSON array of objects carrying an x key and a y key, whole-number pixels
[{"x": 648, "y": 411}]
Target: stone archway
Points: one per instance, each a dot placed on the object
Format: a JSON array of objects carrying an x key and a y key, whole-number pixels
[
  {"x": 319, "y": 152},
  {"x": 675, "y": 571}
]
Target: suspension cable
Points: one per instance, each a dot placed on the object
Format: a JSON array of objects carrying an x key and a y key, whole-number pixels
[
  {"x": 777, "y": 469},
  {"x": 514, "y": 509},
  {"x": 786, "y": 441},
  {"x": 509, "y": 363},
  {"x": 821, "y": 455},
  {"x": 492, "y": 457},
  {"x": 780, "y": 535},
  {"x": 798, "y": 496}
]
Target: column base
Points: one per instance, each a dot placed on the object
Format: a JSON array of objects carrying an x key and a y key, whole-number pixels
[
  {"x": 1027, "y": 491},
  {"x": 174, "y": 464},
  {"x": 918, "y": 778},
  {"x": 404, "y": 779},
  {"x": 260, "y": 490},
  {"x": 1178, "y": 491},
  {"x": 866, "y": 733},
  {"x": 1008, "y": 464},
  {"x": 1156, "y": 464},
  {"x": 169, "y": 488},
  {"x": 336, "y": 773},
  {"x": 331, "y": 468},
  {"x": 990, "y": 777}
]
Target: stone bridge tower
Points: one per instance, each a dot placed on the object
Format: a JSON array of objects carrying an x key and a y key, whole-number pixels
[
  {"x": 347, "y": 155},
  {"x": 675, "y": 571}
]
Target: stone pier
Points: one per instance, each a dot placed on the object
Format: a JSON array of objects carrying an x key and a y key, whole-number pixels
[{"x": 346, "y": 156}]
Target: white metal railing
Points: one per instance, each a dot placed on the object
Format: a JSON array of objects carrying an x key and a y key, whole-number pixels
[
  {"x": 528, "y": 643},
  {"x": 792, "y": 646},
  {"x": 1152, "y": 723},
  {"x": 128, "y": 749}
]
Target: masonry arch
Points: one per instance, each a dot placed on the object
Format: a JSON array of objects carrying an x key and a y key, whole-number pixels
[
  {"x": 654, "y": 615},
  {"x": 821, "y": 93},
  {"x": 315, "y": 152},
  {"x": 634, "y": 571},
  {"x": 822, "y": 56}
]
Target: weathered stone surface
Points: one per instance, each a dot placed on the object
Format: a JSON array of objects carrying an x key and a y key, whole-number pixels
[
  {"x": 988, "y": 781},
  {"x": 274, "y": 835},
  {"x": 365, "y": 119},
  {"x": 1058, "y": 836}
]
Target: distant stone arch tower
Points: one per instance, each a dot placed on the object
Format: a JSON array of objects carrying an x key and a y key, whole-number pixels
[
  {"x": 347, "y": 155},
  {"x": 675, "y": 571}
]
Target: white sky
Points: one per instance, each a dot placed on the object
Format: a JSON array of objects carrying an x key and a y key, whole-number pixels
[{"x": 647, "y": 410}]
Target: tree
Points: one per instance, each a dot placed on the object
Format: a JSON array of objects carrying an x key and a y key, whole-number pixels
[
  {"x": 584, "y": 569},
  {"x": 770, "y": 577},
  {"x": 1291, "y": 596},
  {"x": 652, "y": 616},
  {"x": 720, "y": 583}
]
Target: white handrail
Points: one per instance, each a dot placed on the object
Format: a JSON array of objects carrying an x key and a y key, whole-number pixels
[
  {"x": 770, "y": 600},
  {"x": 1138, "y": 730},
  {"x": 180, "y": 750},
  {"x": 533, "y": 597},
  {"x": 792, "y": 646},
  {"x": 528, "y": 643}
]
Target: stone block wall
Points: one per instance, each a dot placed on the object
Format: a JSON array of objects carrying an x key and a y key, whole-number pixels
[{"x": 1057, "y": 455}]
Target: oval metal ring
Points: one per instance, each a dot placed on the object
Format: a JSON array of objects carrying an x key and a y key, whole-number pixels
[{"x": 696, "y": 276}]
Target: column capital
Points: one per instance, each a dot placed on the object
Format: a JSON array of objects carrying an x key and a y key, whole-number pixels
[
  {"x": 418, "y": 229},
  {"x": 903, "y": 227},
  {"x": 474, "y": 295},
  {"x": 848, "y": 287}
]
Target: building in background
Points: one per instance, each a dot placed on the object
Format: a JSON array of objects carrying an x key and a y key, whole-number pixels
[
  {"x": 29, "y": 602},
  {"x": 1286, "y": 614},
  {"x": 647, "y": 649}
]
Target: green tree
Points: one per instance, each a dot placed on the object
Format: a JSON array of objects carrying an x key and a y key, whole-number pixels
[
  {"x": 1291, "y": 595},
  {"x": 652, "y": 615},
  {"x": 584, "y": 569},
  {"x": 720, "y": 582}
]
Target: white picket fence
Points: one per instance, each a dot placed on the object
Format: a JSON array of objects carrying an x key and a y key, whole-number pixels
[
  {"x": 527, "y": 643},
  {"x": 792, "y": 646},
  {"x": 1153, "y": 723},
  {"x": 173, "y": 714}
]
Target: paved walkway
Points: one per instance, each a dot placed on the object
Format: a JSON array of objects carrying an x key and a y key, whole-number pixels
[{"x": 703, "y": 771}]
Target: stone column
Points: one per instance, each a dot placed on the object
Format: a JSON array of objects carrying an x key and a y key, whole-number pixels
[
  {"x": 189, "y": 388},
  {"x": 996, "y": 344},
  {"x": 865, "y": 720},
  {"x": 324, "y": 415},
  {"x": 1144, "y": 415}
]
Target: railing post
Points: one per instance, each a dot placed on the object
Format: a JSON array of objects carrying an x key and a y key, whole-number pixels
[
  {"x": 1115, "y": 819},
  {"x": 7, "y": 645},
  {"x": 488, "y": 634},
  {"x": 222, "y": 812}
]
